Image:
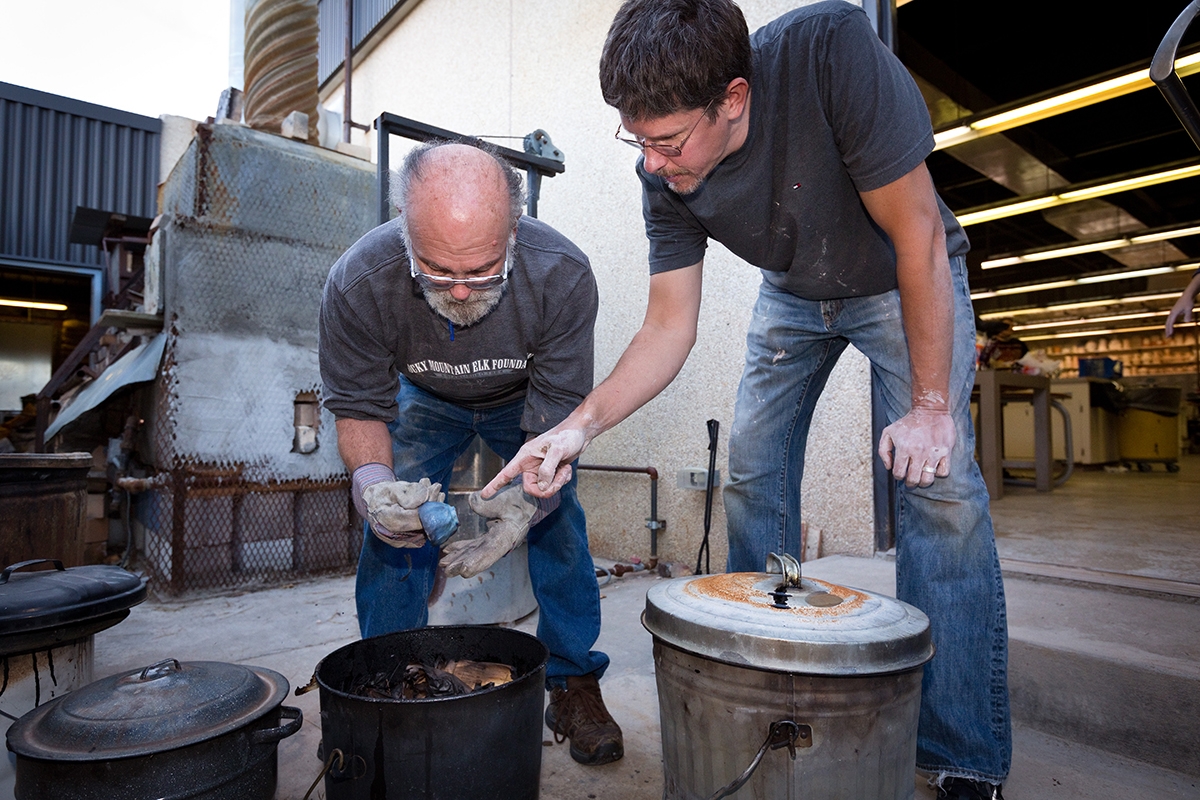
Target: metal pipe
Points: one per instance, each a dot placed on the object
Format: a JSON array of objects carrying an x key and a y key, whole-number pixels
[
  {"x": 347, "y": 68},
  {"x": 653, "y": 523}
]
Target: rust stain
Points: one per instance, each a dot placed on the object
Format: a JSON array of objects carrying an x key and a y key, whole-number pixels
[{"x": 740, "y": 587}]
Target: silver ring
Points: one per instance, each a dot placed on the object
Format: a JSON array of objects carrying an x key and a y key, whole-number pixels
[{"x": 928, "y": 469}]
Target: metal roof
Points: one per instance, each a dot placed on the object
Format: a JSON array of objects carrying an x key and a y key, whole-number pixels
[{"x": 57, "y": 153}]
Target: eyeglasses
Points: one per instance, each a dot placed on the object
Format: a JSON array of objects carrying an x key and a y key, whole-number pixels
[
  {"x": 443, "y": 283},
  {"x": 668, "y": 150}
]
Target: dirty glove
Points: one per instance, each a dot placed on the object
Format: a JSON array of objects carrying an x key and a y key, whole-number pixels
[
  {"x": 510, "y": 514},
  {"x": 391, "y": 507},
  {"x": 916, "y": 447}
]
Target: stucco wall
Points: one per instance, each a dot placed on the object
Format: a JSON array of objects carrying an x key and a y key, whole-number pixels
[{"x": 499, "y": 68}]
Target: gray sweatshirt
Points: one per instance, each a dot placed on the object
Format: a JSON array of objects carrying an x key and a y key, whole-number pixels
[{"x": 536, "y": 344}]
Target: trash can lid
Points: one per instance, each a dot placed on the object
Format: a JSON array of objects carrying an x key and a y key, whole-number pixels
[
  {"x": 40, "y": 608},
  {"x": 759, "y": 620}
]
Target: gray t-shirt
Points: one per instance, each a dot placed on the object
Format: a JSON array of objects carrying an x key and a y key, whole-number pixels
[
  {"x": 832, "y": 113},
  {"x": 537, "y": 343}
]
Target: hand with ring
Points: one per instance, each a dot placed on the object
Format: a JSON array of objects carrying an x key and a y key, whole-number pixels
[{"x": 916, "y": 448}]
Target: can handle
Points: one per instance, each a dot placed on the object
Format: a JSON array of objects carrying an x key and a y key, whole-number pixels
[
  {"x": 58, "y": 565},
  {"x": 782, "y": 733},
  {"x": 785, "y": 565},
  {"x": 272, "y": 735},
  {"x": 161, "y": 666}
]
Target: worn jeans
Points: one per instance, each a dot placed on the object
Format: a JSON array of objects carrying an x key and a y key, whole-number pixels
[
  {"x": 946, "y": 562},
  {"x": 394, "y": 584}
]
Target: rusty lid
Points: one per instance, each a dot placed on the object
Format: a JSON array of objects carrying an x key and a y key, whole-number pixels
[{"x": 765, "y": 621}]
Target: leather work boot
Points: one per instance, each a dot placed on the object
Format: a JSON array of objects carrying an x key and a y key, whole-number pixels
[
  {"x": 965, "y": 789},
  {"x": 578, "y": 713}
]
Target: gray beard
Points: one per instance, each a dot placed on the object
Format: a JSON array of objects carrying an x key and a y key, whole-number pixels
[{"x": 463, "y": 313}]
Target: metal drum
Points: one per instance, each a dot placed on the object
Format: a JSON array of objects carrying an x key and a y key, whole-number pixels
[{"x": 772, "y": 686}]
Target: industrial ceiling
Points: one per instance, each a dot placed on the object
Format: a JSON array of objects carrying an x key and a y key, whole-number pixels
[{"x": 975, "y": 59}]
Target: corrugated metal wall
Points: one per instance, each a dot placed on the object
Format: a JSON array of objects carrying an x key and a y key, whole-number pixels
[
  {"x": 331, "y": 42},
  {"x": 57, "y": 153}
]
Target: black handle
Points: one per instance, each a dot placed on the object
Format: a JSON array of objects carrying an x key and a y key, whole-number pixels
[
  {"x": 272, "y": 735},
  {"x": 58, "y": 565},
  {"x": 1162, "y": 72}
]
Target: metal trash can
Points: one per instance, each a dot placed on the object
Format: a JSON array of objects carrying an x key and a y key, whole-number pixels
[
  {"x": 771, "y": 686},
  {"x": 486, "y": 745}
]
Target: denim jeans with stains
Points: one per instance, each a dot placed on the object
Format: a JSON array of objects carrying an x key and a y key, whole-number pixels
[
  {"x": 393, "y": 584},
  {"x": 946, "y": 563}
]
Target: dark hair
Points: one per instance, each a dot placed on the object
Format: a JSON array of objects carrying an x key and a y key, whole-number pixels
[
  {"x": 401, "y": 180},
  {"x": 665, "y": 56}
]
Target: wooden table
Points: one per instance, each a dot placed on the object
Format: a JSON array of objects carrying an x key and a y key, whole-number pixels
[{"x": 991, "y": 384}]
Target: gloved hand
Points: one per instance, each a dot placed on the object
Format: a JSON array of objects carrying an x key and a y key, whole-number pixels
[
  {"x": 916, "y": 447},
  {"x": 390, "y": 506},
  {"x": 510, "y": 514}
]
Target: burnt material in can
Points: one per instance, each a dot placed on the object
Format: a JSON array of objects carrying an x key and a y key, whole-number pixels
[
  {"x": 775, "y": 690},
  {"x": 486, "y": 745}
]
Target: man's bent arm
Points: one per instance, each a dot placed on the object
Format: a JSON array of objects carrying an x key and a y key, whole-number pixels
[
  {"x": 650, "y": 362},
  {"x": 363, "y": 441},
  {"x": 918, "y": 446}
]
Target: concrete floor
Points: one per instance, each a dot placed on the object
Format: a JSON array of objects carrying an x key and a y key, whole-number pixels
[{"x": 1141, "y": 523}]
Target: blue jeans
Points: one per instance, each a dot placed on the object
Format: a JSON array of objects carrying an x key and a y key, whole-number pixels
[
  {"x": 946, "y": 562},
  {"x": 393, "y": 584}
]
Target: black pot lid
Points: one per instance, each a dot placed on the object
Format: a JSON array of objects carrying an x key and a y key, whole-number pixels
[
  {"x": 42, "y": 599},
  {"x": 162, "y": 707}
]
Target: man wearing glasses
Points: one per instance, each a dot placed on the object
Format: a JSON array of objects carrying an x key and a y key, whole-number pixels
[
  {"x": 484, "y": 319},
  {"x": 802, "y": 149}
]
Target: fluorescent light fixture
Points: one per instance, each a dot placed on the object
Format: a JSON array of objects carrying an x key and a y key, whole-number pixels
[
  {"x": 1047, "y": 253},
  {"x": 1076, "y": 195},
  {"x": 1059, "y": 104},
  {"x": 32, "y": 304},
  {"x": 1064, "y": 323},
  {"x": 1106, "y": 332},
  {"x": 1020, "y": 312},
  {"x": 1104, "y": 278},
  {"x": 1061, "y": 252}
]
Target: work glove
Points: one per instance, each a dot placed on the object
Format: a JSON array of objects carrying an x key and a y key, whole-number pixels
[
  {"x": 402, "y": 513},
  {"x": 510, "y": 514},
  {"x": 916, "y": 447}
]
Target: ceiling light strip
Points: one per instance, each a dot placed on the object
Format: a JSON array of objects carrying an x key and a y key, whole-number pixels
[
  {"x": 1106, "y": 332},
  {"x": 1059, "y": 104},
  {"x": 1054, "y": 309},
  {"x": 1064, "y": 323},
  {"x": 1045, "y": 254},
  {"x": 1087, "y": 279},
  {"x": 1076, "y": 195},
  {"x": 32, "y": 304}
]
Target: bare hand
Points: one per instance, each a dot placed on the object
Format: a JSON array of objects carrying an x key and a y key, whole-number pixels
[
  {"x": 916, "y": 447},
  {"x": 543, "y": 464},
  {"x": 1180, "y": 312}
]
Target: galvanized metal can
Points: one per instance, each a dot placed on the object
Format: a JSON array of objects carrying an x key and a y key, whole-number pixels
[{"x": 775, "y": 690}]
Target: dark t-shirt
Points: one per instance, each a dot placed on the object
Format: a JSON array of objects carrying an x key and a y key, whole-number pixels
[
  {"x": 832, "y": 113},
  {"x": 537, "y": 343}
]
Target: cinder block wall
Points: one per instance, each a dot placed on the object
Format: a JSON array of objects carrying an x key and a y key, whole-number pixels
[{"x": 490, "y": 67}]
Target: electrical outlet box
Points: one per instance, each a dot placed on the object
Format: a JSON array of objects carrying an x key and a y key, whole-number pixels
[{"x": 696, "y": 478}]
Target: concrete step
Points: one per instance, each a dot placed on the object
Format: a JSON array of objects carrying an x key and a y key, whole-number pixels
[{"x": 1113, "y": 667}]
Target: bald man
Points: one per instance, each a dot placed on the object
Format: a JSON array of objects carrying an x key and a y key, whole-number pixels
[{"x": 482, "y": 319}]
